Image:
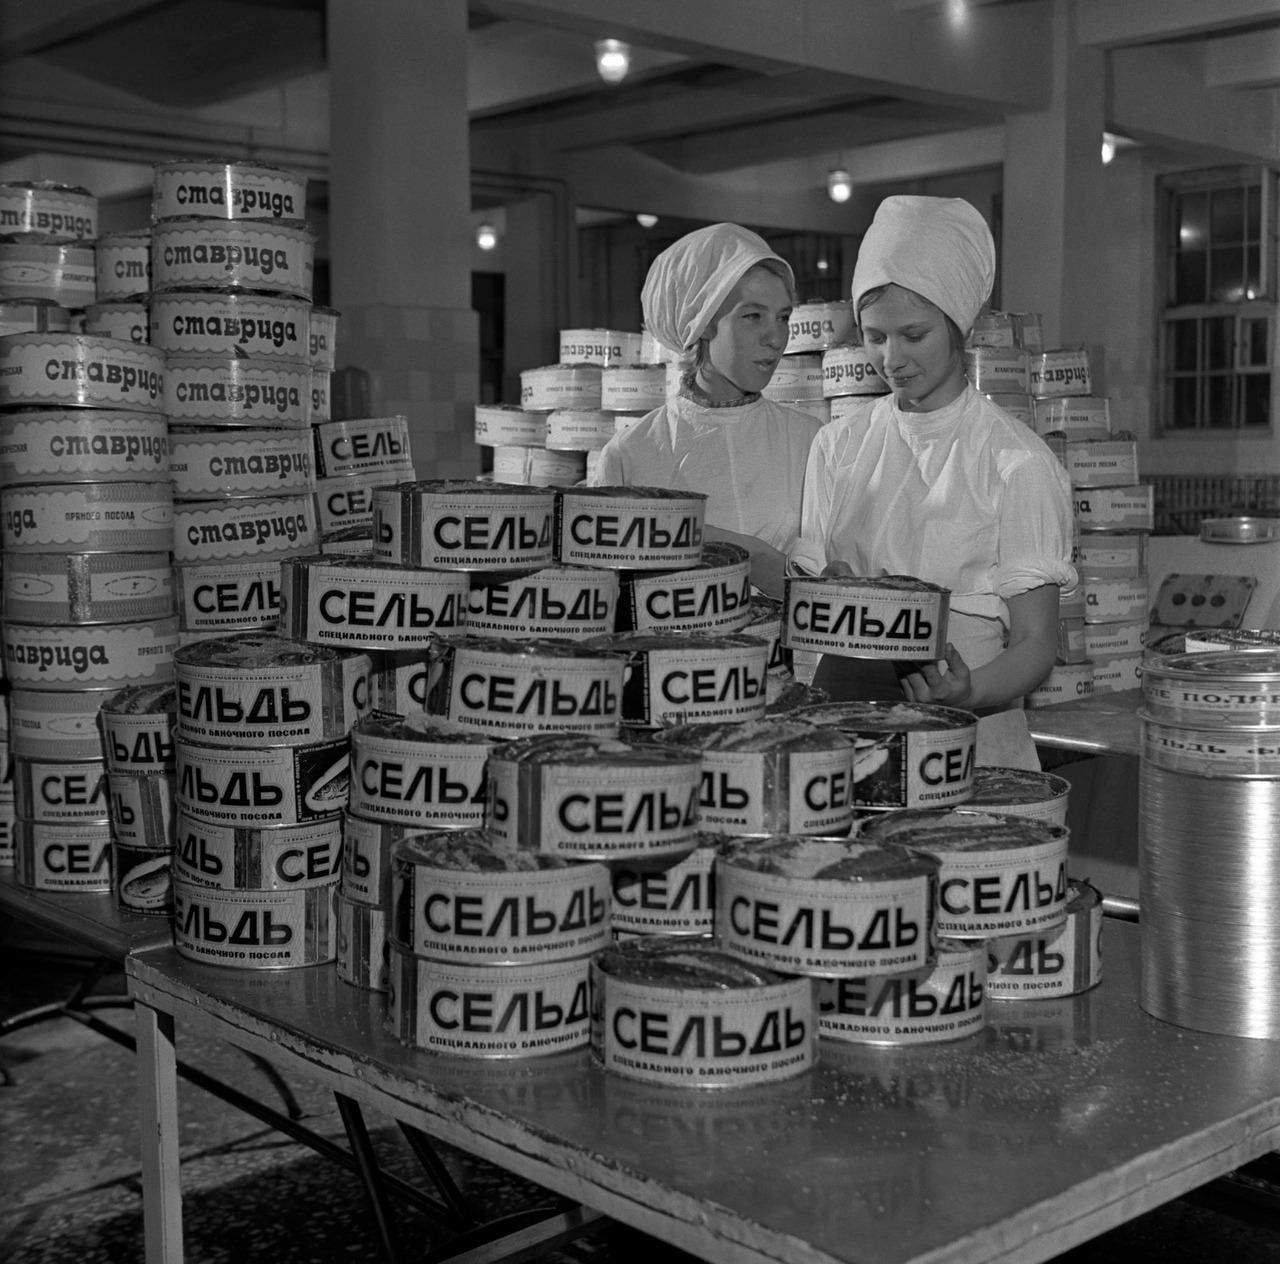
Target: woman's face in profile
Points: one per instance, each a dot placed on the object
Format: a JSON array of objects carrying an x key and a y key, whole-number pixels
[{"x": 751, "y": 332}]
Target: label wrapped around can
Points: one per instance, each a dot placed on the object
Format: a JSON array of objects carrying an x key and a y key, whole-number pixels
[
  {"x": 675, "y": 678},
  {"x": 269, "y": 785},
  {"x": 504, "y": 425},
  {"x": 227, "y": 530},
  {"x": 1019, "y": 792},
  {"x": 994, "y": 329},
  {"x": 848, "y": 370},
  {"x": 678, "y": 900},
  {"x": 632, "y": 388},
  {"x": 230, "y": 323},
  {"x": 368, "y": 445},
  {"x": 209, "y": 464},
  {"x": 362, "y": 944},
  {"x": 1111, "y": 555},
  {"x": 347, "y": 502},
  {"x": 588, "y": 798},
  {"x": 356, "y": 601},
  {"x": 944, "y": 1000},
  {"x": 825, "y": 906},
  {"x": 1000, "y": 370},
  {"x": 515, "y": 688},
  {"x": 1200, "y": 640},
  {"x": 32, "y": 316},
  {"x": 796, "y": 377},
  {"x": 366, "y": 857},
  {"x": 258, "y": 858},
  {"x": 40, "y": 267},
  {"x": 56, "y": 792},
  {"x": 196, "y": 252},
  {"x": 226, "y": 190},
  {"x": 580, "y": 429},
  {"x": 458, "y": 896},
  {"x": 321, "y": 396},
  {"x": 142, "y": 811},
  {"x": 323, "y": 343},
  {"x": 475, "y": 1011},
  {"x": 1062, "y": 962},
  {"x": 61, "y": 211},
  {"x": 144, "y": 878},
  {"x": 560, "y": 386},
  {"x": 463, "y": 525},
  {"x": 257, "y": 689},
  {"x": 230, "y": 391},
  {"x": 1226, "y": 688},
  {"x": 137, "y": 728},
  {"x": 892, "y": 617},
  {"x": 1115, "y": 600},
  {"x": 400, "y": 682},
  {"x": 655, "y": 1002},
  {"x": 1115, "y": 508},
  {"x": 62, "y": 857},
  {"x": 414, "y": 772},
  {"x": 574, "y": 602},
  {"x": 64, "y": 588},
  {"x": 999, "y": 874},
  {"x": 49, "y": 724},
  {"x": 1060, "y": 373},
  {"x": 128, "y": 322},
  {"x": 538, "y": 467},
  {"x": 1066, "y": 682},
  {"x": 220, "y": 598},
  {"x": 123, "y": 264},
  {"x": 1076, "y": 416},
  {"x": 629, "y": 528},
  {"x": 766, "y": 623},
  {"x": 820, "y": 325},
  {"x": 1210, "y": 750},
  {"x": 772, "y": 776},
  {"x": 255, "y": 930},
  {"x": 1109, "y": 639},
  {"x": 713, "y": 596},
  {"x": 87, "y": 518},
  {"x": 906, "y": 754},
  {"x": 600, "y": 346},
  {"x": 1102, "y": 462},
  {"x": 56, "y": 370},
  {"x": 98, "y": 656}
]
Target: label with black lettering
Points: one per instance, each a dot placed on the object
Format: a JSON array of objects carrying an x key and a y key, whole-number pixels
[
  {"x": 255, "y": 930},
  {"x": 987, "y": 892},
  {"x": 83, "y": 447},
  {"x": 142, "y": 809},
  {"x": 210, "y": 531},
  {"x": 87, "y": 518},
  {"x": 696, "y": 684},
  {"x": 209, "y": 464},
  {"x": 1060, "y": 962},
  {"x": 915, "y": 768},
  {"x": 268, "y": 858},
  {"x": 871, "y": 618},
  {"x": 679, "y": 900},
  {"x": 849, "y": 371},
  {"x": 366, "y": 446},
  {"x": 102, "y": 656},
  {"x": 62, "y": 857},
  {"x": 609, "y": 527},
  {"x": 428, "y": 783},
  {"x": 228, "y": 597},
  {"x": 226, "y": 323},
  {"x": 226, "y": 190},
  {"x": 60, "y": 792},
  {"x": 786, "y": 792},
  {"x": 568, "y": 601},
  {"x": 79, "y": 371}
]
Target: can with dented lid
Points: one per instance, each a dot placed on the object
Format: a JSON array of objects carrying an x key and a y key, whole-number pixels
[
  {"x": 713, "y": 596},
  {"x": 575, "y": 602},
  {"x": 820, "y": 325},
  {"x": 229, "y": 530},
  {"x": 505, "y": 425},
  {"x": 255, "y": 930},
  {"x": 219, "y": 598},
  {"x": 629, "y": 528},
  {"x": 62, "y": 857},
  {"x": 633, "y": 388},
  {"x": 323, "y": 342},
  {"x": 257, "y": 858},
  {"x": 137, "y": 728},
  {"x": 64, "y": 212},
  {"x": 847, "y": 370},
  {"x": 50, "y": 724},
  {"x": 100, "y": 656},
  {"x": 890, "y": 617},
  {"x": 362, "y": 944},
  {"x": 38, "y": 266},
  {"x": 63, "y": 588},
  {"x": 1062, "y": 962},
  {"x": 230, "y": 391},
  {"x": 209, "y": 464},
  {"x": 57, "y": 792},
  {"x": 63, "y": 370},
  {"x": 87, "y": 518},
  {"x": 196, "y": 252},
  {"x": 240, "y": 189},
  {"x": 128, "y": 322},
  {"x": 231, "y": 323},
  {"x": 560, "y": 386},
  {"x": 123, "y": 264},
  {"x": 366, "y": 445}
]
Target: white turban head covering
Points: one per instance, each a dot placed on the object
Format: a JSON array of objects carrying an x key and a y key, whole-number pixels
[
  {"x": 689, "y": 281},
  {"x": 939, "y": 247}
]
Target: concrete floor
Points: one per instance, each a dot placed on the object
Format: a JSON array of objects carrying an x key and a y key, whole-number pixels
[{"x": 70, "y": 1174}]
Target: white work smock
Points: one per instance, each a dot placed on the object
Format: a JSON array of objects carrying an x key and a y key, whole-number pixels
[
  {"x": 964, "y": 496},
  {"x": 748, "y": 459}
]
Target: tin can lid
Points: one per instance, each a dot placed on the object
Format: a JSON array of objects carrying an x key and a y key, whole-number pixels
[
  {"x": 582, "y": 749},
  {"x": 681, "y": 962},
  {"x": 826, "y": 859},
  {"x": 471, "y": 851}
]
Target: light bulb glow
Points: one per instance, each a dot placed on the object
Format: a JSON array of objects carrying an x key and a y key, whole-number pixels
[
  {"x": 822, "y": 265},
  {"x": 1108, "y": 147},
  {"x": 613, "y": 59},
  {"x": 839, "y": 185},
  {"x": 645, "y": 220},
  {"x": 486, "y": 237}
]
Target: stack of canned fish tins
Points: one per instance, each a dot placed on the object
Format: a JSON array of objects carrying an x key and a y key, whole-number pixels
[
  {"x": 850, "y": 383},
  {"x": 800, "y": 379},
  {"x": 231, "y": 266},
  {"x": 123, "y": 265},
  {"x": 46, "y": 256},
  {"x": 998, "y": 359},
  {"x": 352, "y": 459}
]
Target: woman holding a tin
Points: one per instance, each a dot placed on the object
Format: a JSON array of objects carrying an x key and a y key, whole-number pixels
[
  {"x": 721, "y": 299},
  {"x": 936, "y": 481}
]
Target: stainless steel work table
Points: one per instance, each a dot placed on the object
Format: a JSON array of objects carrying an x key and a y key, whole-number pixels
[
  {"x": 1102, "y": 724},
  {"x": 1061, "y": 1121}
]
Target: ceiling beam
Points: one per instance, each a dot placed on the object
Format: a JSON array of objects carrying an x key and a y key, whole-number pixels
[
  {"x": 1243, "y": 61},
  {"x": 30, "y": 26},
  {"x": 918, "y": 55},
  {"x": 1119, "y": 23}
]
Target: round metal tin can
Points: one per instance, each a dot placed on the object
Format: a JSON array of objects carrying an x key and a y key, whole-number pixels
[
  {"x": 57, "y": 370},
  {"x": 685, "y": 988},
  {"x": 61, "y": 211},
  {"x": 62, "y": 857},
  {"x": 538, "y": 467},
  {"x": 323, "y": 343},
  {"x": 821, "y": 325},
  {"x": 144, "y": 878},
  {"x": 255, "y": 930},
  {"x": 321, "y": 395},
  {"x": 370, "y": 445},
  {"x": 600, "y": 346},
  {"x": 230, "y": 530},
  {"x": 366, "y": 857},
  {"x": 629, "y": 528},
  {"x": 357, "y": 601},
  {"x": 1117, "y": 673},
  {"x": 560, "y": 386},
  {"x": 43, "y": 267},
  {"x": 1115, "y": 600},
  {"x": 257, "y": 689},
  {"x": 32, "y": 316},
  {"x": 579, "y": 429},
  {"x": 212, "y": 464},
  {"x": 127, "y": 322},
  {"x": 765, "y": 622},
  {"x": 230, "y": 323},
  {"x": 475, "y": 1011},
  {"x": 226, "y": 190},
  {"x": 49, "y": 724},
  {"x": 1114, "y": 508},
  {"x": 574, "y": 602},
  {"x": 994, "y": 329},
  {"x": 459, "y": 896},
  {"x": 123, "y": 264},
  {"x": 362, "y": 945},
  {"x": 504, "y": 425},
  {"x": 906, "y": 754},
  {"x": 633, "y": 388},
  {"x": 415, "y": 772},
  {"x": 1065, "y": 683},
  {"x": 944, "y": 1000},
  {"x": 221, "y": 598},
  {"x": 892, "y": 617},
  {"x": 1062, "y": 962},
  {"x": 1019, "y": 792},
  {"x": 137, "y": 728},
  {"x": 1226, "y": 689},
  {"x": 228, "y": 391},
  {"x": 1002, "y": 370},
  {"x": 63, "y": 588},
  {"x": 348, "y": 502},
  {"x": 463, "y": 525},
  {"x": 847, "y": 370},
  {"x": 711, "y": 597},
  {"x": 141, "y": 810},
  {"x": 796, "y": 377},
  {"x": 775, "y": 895},
  {"x": 273, "y": 257},
  {"x": 269, "y": 785},
  {"x": 1076, "y": 416},
  {"x": 513, "y": 689},
  {"x": 1112, "y": 555},
  {"x": 258, "y": 858},
  {"x": 1060, "y": 373},
  {"x": 1102, "y": 462},
  {"x": 99, "y": 656},
  {"x": 87, "y": 518},
  {"x": 589, "y": 798},
  {"x": 55, "y": 792},
  {"x": 677, "y": 900}
]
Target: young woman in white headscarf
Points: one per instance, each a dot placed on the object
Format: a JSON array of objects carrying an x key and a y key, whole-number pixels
[
  {"x": 936, "y": 481},
  {"x": 721, "y": 299}
]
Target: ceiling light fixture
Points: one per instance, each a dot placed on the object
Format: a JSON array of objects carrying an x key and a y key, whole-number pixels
[
  {"x": 839, "y": 185},
  {"x": 645, "y": 220},
  {"x": 613, "y": 59},
  {"x": 1108, "y": 147},
  {"x": 486, "y": 236}
]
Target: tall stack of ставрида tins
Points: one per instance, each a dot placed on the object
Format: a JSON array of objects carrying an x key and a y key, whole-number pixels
[
  {"x": 850, "y": 384},
  {"x": 123, "y": 265},
  {"x": 800, "y": 380},
  {"x": 231, "y": 264},
  {"x": 88, "y": 595}
]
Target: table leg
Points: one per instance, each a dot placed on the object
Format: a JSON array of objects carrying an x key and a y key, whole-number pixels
[
  {"x": 370, "y": 1175},
  {"x": 158, "y": 1128}
]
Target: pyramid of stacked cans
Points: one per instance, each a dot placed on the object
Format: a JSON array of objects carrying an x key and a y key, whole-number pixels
[
  {"x": 87, "y": 512},
  {"x": 1104, "y": 624}
]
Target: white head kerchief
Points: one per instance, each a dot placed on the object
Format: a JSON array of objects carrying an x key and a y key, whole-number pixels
[
  {"x": 939, "y": 247},
  {"x": 690, "y": 279}
]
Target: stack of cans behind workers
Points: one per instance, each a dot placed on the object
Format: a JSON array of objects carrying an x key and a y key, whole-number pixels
[
  {"x": 850, "y": 384},
  {"x": 262, "y": 755},
  {"x": 231, "y": 269},
  {"x": 800, "y": 379}
]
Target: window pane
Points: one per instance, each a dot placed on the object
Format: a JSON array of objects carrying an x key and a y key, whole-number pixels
[
  {"x": 1193, "y": 222},
  {"x": 1190, "y": 280},
  {"x": 1227, "y": 274},
  {"x": 1182, "y": 345},
  {"x": 1253, "y": 342},
  {"x": 1227, "y": 219},
  {"x": 1182, "y": 411},
  {"x": 1256, "y": 388},
  {"x": 1253, "y": 272},
  {"x": 1218, "y": 335},
  {"x": 1217, "y": 404},
  {"x": 1255, "y": 212}
]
